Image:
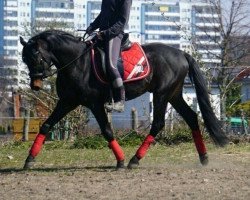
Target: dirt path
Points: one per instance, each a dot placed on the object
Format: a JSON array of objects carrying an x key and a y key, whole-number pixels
[{"x": 226, "y": 177}]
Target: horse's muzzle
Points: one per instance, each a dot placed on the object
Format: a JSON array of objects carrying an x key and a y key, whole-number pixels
[{"x": 36, "y": 84}]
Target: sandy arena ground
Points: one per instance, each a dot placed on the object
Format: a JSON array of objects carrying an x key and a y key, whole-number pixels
[{"x": 226, "y": 177}]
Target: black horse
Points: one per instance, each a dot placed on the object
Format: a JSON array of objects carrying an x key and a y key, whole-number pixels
[{"x": 77, "y": 85}]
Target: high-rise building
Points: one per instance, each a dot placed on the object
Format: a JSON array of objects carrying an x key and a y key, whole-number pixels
[
  {"x": 180, "y": 23},
  {"x": 1, "y": 32},
  {"x": 186, "y": 24},
  {"x": 8, "y": 40},
  {"x": 68, "y": 15}
]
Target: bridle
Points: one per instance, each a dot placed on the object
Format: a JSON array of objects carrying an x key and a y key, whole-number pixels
[{"x": 43, "y": 68}]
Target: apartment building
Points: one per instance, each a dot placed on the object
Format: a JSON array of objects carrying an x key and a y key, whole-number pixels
[
  {"x": 9, "y": 47},
  {"x": 67, "y": 15}
]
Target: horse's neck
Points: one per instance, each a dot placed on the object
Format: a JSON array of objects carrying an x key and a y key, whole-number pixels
[
  {"x": 62, "y": 57},
  {"x": 78, "y": 61}
]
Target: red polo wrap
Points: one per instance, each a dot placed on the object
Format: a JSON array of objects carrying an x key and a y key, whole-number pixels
[
  {"x": 37, "y": 145},
  {"x": 116, "y": 150},
  {"x": 198, "y": 140},
  {"x": 141, "y": 152}
]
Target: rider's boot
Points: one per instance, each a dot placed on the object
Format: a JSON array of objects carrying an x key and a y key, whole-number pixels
[
  {"x": 119, "y": 99},
  {"x": 118, "y": 106}
]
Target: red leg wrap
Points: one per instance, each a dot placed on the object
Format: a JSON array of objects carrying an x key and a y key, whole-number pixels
[
  {"x": 116, "y": 150},
  {"x": 141, "y": 152},
  {"x": 37, "y": 145},
  {"x": 200, "y": 146}
]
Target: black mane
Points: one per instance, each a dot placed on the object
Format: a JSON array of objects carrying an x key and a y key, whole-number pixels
[{"x": 55, "y": 35}]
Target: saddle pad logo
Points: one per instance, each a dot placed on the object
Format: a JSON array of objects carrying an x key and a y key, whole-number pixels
[{"x": 137, "y": 69}]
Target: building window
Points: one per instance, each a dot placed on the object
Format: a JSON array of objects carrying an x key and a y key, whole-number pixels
[
  {"x": 10, "y": 43},
  {"x": 10, "y": 52},
  {"x": 157, "y": 8},
  {"x": 162, "y": 28}
]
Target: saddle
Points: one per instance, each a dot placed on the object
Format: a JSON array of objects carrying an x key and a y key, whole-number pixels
[{"x": 132, "y": 64}]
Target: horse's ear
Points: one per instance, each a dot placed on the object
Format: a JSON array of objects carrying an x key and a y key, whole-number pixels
[{"x": 22, "y": 41}]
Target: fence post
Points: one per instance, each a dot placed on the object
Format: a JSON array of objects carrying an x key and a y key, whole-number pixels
[
  {"x": 66, "y": 130},
  {"x": 134, "y": 116},
  {"x": 26, "y": 125},
  {"x": 243, "y": 122}
]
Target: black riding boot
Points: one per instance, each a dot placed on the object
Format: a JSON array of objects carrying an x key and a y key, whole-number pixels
[{"x": 119, "y": 99}]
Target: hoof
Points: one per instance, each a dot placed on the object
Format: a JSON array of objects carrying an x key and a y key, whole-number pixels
[
  {"x": 29, "y": 163},
  {"x": 120, "y": 165},
  {"x": 204, "y": 159},
  {"x": 133, "y": 163}
]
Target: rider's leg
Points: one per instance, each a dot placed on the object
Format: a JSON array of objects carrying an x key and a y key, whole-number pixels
[{"x": 112, "y": 48}]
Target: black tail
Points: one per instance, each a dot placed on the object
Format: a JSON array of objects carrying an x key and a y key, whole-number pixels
[{"x": 212, "y": 124}]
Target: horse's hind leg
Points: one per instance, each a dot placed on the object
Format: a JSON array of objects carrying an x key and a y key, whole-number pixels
[
  {"x": 59, "y": 112},
  {"x": 160, "y": 104},
  {"x": 192, "y": 120}
]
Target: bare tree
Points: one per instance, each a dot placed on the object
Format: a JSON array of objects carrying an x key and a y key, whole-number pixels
[{"x": 229, "y": 33}]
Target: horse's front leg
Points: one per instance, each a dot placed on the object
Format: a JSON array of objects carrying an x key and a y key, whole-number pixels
[
  {"x": 61, "y": 109},
  {"x": 102, "y": 119}
]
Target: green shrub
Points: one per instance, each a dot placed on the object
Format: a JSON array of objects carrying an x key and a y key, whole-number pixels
[
  {"x": 90, "y": 142},
  {"x": 98, "y": 141},
  {"x": 131, "y": 139},
  {"x": 176, "y": 137}
]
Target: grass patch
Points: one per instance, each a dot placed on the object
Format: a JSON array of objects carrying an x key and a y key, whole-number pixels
[{"x": 62, "y": 155}]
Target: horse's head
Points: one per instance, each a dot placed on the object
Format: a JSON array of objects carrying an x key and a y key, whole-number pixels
[{"x": 36, "y": 56}]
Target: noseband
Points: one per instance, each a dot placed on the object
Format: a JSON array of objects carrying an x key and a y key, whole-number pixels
[{"x": 42, "y": 68}]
